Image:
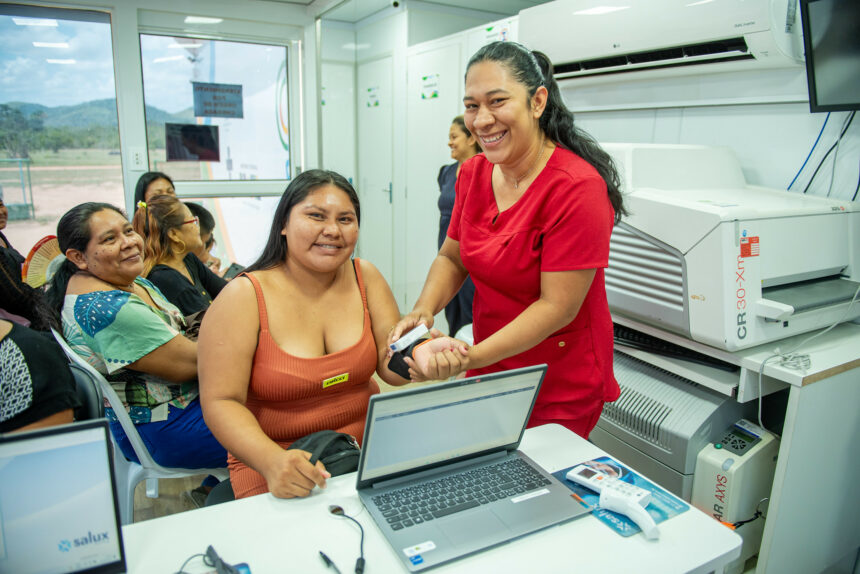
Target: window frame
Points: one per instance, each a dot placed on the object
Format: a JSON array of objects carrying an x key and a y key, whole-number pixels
[{"x": 231, "y": 30}]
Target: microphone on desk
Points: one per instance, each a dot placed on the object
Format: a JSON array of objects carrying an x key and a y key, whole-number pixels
[
  {"x": 338, "y": 511},
  {"x": 212, "y": 559}
]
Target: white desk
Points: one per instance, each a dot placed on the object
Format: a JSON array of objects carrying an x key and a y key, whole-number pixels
[
  {"x": 812, "y": 520},
  {"x": 274, "y": 535}
]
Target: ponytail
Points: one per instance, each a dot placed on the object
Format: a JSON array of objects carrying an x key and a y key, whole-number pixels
[{"x": 153, "y": 221}]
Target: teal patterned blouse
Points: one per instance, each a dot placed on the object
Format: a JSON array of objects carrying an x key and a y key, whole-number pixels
[{"x": 111, "y": 330}]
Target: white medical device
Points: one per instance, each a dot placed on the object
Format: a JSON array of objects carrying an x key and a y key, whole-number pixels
[
  {"x": 707, "y": 256},
  {"x": 617, "y": 496},
  {"x": 733, "y": 480}
]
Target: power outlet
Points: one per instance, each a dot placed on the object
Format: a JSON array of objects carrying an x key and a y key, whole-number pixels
[{"x": 138, "y": 158}]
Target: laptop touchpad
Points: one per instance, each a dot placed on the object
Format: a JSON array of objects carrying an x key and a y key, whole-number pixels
[{"x": 469, "y": 529}]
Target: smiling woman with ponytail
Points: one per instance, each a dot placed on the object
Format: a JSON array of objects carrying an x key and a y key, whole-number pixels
[{"x": 531, "y": 227}]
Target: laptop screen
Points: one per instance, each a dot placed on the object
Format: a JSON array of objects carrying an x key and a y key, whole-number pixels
[
  {"x": 410, "y": 429},
  {"x": 58, "y": 510}
]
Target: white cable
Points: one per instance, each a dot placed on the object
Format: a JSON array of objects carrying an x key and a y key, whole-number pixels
[{"x": 791, "y": 360}]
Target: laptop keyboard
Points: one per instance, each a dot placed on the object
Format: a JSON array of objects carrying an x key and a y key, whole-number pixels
[{"x": 413, "y": 505}]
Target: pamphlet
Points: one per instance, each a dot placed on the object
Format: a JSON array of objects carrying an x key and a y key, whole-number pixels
[{"x": 663, "y": 505}]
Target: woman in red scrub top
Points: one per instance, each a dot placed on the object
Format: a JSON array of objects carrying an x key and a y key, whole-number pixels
[{"x": 531, "y": 227}]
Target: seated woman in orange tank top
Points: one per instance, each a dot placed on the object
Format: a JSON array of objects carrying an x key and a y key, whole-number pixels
[{"x": 290, "y": 348}]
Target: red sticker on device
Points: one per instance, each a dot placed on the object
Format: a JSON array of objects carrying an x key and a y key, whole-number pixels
[{"x": 749, "y": 246}]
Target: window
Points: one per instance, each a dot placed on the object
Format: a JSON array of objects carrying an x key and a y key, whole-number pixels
[
  {"x": 58, "y": 117},
  {"x": 241, "y": 226},
  {"x": 216, "y": 110}
]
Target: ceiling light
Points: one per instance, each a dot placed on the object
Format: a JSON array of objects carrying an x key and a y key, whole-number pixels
[
  {"x": 35, "y": 21},
  {"x": 202, "y": 20},
  {"x": 168, "y": 59},
  {"x": 598, "y": 10},
  {"x": 188, "y": 46},
  {"x": 51, "y": 44},
  {"x": 52, "y": 61},
  {"x": 356, "y": 47},
  {"x": 700, "y": 2}
]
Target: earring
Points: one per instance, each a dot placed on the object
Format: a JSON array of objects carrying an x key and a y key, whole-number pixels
[{"x": 182, "y": 249}]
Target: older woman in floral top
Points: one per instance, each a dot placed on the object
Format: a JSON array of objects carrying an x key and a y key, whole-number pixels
[{"x": 122, "y": 325}]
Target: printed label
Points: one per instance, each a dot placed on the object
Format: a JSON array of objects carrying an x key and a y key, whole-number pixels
[
  {"x": 749, "y": 246},
  {"x": 534, "y": 494},
  {"x": 335, "y": 380},
  {"x": 419, "y": 548}
]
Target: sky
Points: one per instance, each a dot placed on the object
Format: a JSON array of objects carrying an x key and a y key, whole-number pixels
[{"x": 27, "y": 76}]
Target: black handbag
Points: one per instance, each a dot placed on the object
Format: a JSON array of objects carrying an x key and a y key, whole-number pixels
[{"x": 338, "y": 451}]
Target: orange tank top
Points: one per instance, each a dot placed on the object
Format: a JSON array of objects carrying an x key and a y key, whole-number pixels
[{"x": 294, "y": 396}]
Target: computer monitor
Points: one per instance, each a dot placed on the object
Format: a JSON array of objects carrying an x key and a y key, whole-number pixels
[
  {"x": 831, "y": 37},
  {"x": 58, "y": 505}
]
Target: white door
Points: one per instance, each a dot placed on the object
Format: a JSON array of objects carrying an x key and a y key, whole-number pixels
[
  {"x": 434, "y": 97},
  {"x": 375, "y": 152},
  {"x": 338, "y": 118}
]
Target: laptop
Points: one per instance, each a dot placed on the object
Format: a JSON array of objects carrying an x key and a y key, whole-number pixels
[
  {"x": 58, "y": 505},
  {"x": 440, "y": 472}
]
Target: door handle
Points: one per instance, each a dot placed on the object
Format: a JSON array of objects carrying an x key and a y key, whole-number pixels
[{"x": 388, "y": 191}]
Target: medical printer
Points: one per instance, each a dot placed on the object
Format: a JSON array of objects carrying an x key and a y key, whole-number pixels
[
  {"x": 694, "y": 442},
  {"x": 662, "y": 421},
  {"x": 704, "y": 255}
]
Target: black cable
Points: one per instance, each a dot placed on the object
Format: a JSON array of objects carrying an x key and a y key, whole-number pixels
[
  {"x": 748, "y": 520},
  {"x": 856, "y": 189},
  {"x": 830, "y": 149},
  {"x": 359, "y": 563},
  {"x": 189, "y": 559},
  {"x": 836, "y": 158}
]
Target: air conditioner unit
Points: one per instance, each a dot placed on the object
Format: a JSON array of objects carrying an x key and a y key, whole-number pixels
[{"x": 589, "y": 39}]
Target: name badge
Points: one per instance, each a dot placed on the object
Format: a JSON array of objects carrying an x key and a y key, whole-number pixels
[{"x": 335, "y": 380}]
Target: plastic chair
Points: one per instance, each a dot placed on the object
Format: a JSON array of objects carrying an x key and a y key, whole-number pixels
[
  {"x": 89, "y": 393},
  {"x": 129, "y": 473}
]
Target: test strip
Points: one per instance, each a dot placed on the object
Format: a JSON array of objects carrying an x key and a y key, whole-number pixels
[{"x": 409, "y": 338}]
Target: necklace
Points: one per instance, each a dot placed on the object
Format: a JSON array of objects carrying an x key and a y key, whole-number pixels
[{"x": 516, "y": 180}]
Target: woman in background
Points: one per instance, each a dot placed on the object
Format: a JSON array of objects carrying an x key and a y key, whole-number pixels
[
  {"x": 171, "y": 235},
  {"x": 291, "y": 346},
  {"x": 37, "y": 388},
  {"x": 153, "y": 183},
  {"x": 20, "y": 302},
  {"x": 207, "y": 230},
  {"x": 458, "y": 312}
]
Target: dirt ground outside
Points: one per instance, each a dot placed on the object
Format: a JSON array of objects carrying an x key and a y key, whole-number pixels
[
  {"x": 56, "y": 189},
  {"x": 61, "y": 180}
]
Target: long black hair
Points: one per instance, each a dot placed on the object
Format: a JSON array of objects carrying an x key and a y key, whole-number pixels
[
  {"x": 73, "y": 232},
  {"x": 144, "y": 181},
  {"x": 533, "y": 69},
  {"x": 275, "y": 251}
]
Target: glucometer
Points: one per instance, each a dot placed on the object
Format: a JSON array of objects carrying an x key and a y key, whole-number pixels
[
  {"x": 617, "y": 496},
  {"x": 403, "y": 348}
]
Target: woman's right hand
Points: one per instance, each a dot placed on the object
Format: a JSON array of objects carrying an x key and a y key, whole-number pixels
[
  {"x": 409, "y": 322},
  {"x": 291, "y": 475}
]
